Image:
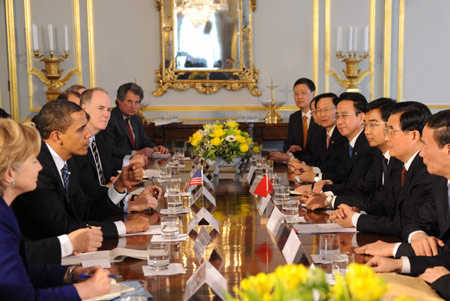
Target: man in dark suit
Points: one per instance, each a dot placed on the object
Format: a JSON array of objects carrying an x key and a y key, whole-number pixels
[
  {"x": 58, "y": 205},
  {"x": 370, "y": 187},
  {"x": 412, "y": 184},
  {"x": 125, "y": 131},
  {"x": 302, "y": 142},
  {"x": 433, "y": 214},
  {"x": 95, "y": 168}
]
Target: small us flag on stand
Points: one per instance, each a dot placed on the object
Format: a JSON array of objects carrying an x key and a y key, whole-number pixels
[{"x": 197, "y": 178}]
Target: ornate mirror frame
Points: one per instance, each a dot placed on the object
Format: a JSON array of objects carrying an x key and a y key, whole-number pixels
[{"x": 244, "y": 74}]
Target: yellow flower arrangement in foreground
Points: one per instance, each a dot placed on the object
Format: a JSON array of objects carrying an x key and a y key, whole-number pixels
[
  {"x": 296, "y": 282},
  {"x": 224, "y": 140}
]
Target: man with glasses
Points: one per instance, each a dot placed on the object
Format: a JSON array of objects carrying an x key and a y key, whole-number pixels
[
  {"x": 302, "y": 131},
  {"x": 371, "y": 187},
  {"x": 412, "y": 184},
  {"x": 332, "y": 141}
]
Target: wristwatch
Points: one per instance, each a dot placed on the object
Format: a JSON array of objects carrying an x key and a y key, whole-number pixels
[{"x": 316, "y": 178}]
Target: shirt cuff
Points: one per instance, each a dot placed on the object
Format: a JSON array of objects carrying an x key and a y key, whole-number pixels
[
  {"x": 116, "y": 196},
  {"x": 355, "y": 218},
  {"x": 125, "y": 203},
  {"x": 317, "y": 170},
  {"x": 126, "y": 161},
  {"x": 412, "y": 233},
  {"x": 291, "y": 156},
  {"x": 66, "y": 245},
  {"x": 121, "y": 229},
  {"x": 333, "y": 199},
  {"x": 122, "y": 243},
  {"x": 406, "y": 265},
  {"x": 395, "y": 249}
]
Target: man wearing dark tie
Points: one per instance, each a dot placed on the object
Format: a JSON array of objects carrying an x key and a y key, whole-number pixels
[
  {"x": 302, "y": 134},
  {"x": 125, "y": 131},
  {"x": 435, "y": 212}
]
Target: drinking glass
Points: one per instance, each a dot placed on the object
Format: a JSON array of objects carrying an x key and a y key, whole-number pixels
[
  {"x": 281, "y": 194},
  {"x": 158, "y": 256},
  {"x": 179, "y": 152},
  {"x": 290, "y": 209},
  {"x": 170, "y": 227},
  {"x": 174, "y": 164},
  {"x": 165, "y": 172},
  {"x": 329, "y": 245},
  {"x": 173, "y": 186},
  {"x": 174, "y": 203},
  {"x": 341, "y": 261}
]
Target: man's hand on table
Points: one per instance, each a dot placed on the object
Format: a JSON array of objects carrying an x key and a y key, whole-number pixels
[
  {"x": 137, "y": 224},
  {"x": 425, "y": 245},
  {"x": 432, "y": 274},
  {"x": 385, "y": 265},
  {"x": 379, "y": 248},
  {"x": 145, "y": 200},
  {"x": 146, "y": 151},
  {"x": 131, "y": 175},
  {"x": 161, "y": 149},
  {"x": 314, "y": 201},
  {"x": 343, "y": 215},
  {"x": 86, "y": 239},
  {"x": 139, "y": 159},
  {"x": 307, "y": 176},
  {"x": 318, "y": 186},
  {"x": 279, "y": 157}
]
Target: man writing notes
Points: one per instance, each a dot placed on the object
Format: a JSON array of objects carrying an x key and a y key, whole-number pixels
[
  {"x": 125, "y": 131},
  {"x": 58, "y": 205},
  {"x": 434, "y": 213},
  {"x": 302, "y": 131}
]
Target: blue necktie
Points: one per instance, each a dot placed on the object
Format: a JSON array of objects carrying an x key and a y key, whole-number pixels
[
  {"x": 65, "y": 175},
  {"x": 350, "y": 150}
]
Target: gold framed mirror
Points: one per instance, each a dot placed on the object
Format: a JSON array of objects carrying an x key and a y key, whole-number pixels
[{"x": 207, "y": 45}]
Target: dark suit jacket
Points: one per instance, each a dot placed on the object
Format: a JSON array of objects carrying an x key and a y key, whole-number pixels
[
  {"x": 431, "y": 218},
  {"x": 116, "y": 134},
  {"x": 353, "y": 168},
  {"x": 87, "y": 171},
  {"x": 44, "y": 251},
  {"x": 403, "y": 203},
  {"x": 48, "y": 211},
  {"x": 360, "y": 195},
  {"x": 331, "y": 164},
  {"x": 314, "y": 144},
  {"x": 20, "y": 280}
]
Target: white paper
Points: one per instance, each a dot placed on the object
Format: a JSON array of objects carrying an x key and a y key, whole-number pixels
[
  {"x": 137, "y": 191},
  {"x": 158, "y": 238},
  {"x": 291, "y": 247},
  {"x": 174, "y": 268},
  {"x": 158, "y": 155},
  {"x": 151, "y": 173},
  {"x": 104, "y": 263},
  {"x": 153, "y": 230},
  {"x": 207, "y": 216},
  {"x": 206, "y": 273},
  {"x": 262, "y": 204},
  {"x": 299, "y": 219},
  {"x": 250, "y": 173},
  {"x": 322, "y": 228},
  {"x": 167, "y": 212},
  {"x": 184, "y": 193},
  {"x": 316, "y": 258},
  {"x": 275, "y": 220},
  {"x": 166, "y": 121}
]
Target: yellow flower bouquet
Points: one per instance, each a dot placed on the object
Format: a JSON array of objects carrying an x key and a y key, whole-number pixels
[
  {"x": 224, "y": 140},
  {"x": 296, "y": 282}
]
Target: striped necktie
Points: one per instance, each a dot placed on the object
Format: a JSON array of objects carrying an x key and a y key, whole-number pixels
[
  {"x": 65, "y": 176},
  {"x": 130, "y": 133},
  {"x": 96, "y": 155}
]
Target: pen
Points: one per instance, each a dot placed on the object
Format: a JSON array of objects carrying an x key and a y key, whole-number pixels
[
  {"x": 88, "y": 226},
  {"x": 87, "y": 276}
]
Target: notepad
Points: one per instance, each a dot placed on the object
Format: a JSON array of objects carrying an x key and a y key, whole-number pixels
[
  {"x": 322, "y": 228},
  {"x": 115, "y": 255}
]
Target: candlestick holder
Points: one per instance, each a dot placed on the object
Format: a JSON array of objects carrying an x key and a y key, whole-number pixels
[
  {"x": 272, "y": 116},
  {"x": 51, "y": 75},
  {"x": 352, "y": 71}
]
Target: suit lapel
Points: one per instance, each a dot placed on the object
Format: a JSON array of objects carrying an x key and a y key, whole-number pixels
[
  {"x": 47, "y": 156},
  {"x": 121, "y": 122}
]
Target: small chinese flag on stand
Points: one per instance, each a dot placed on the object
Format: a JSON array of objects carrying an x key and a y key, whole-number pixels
[{"x": 264, "y": 187}]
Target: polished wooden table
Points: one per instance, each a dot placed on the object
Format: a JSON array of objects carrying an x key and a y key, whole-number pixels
[
  {"x": 180, "y": 132},
  {"x": 244, "y": 244}
]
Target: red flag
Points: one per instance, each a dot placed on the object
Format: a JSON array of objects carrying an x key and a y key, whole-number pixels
[{"x": 264, "y": 187}]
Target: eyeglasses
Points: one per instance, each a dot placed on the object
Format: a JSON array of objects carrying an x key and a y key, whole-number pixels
[
  {"x": 371, "y": 125},
  {"x": 389, "y": 131},
  {"x": 325, "y": 110},
  {"x": 345, "y": 116}
]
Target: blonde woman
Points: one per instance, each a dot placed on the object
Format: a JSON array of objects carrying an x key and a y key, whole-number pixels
[{"x": 19, "y": 280}]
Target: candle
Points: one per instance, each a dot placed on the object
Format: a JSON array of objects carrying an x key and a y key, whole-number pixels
[
  {"x": 355, "y": 48},
  {"x": 35, "y": 38},
  {"x": 350, "y": 36},
  {"x": 50, "y": 37},
  {"x": 67, "y": 39},
  {"x": 366, "y": 40},
  {"x": 339, "y": 39}
]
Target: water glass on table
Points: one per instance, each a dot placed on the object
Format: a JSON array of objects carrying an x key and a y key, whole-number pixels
[
  {"x": 290, "y": 209},
  {"x": 170, "y": 227},
  {"x": 174, "y": 164},
  {"x": 329, "y": 245},
  {"x": 179, "y": 153},
  {"x": 165, "y": 172},
  {"x": 281, "y": 194},
  {"x": 173, "y": 186},
  {"x": 158, "y": 256},
  {"x": 341, "y": 262},
  {"x": 174, "y": 203}
]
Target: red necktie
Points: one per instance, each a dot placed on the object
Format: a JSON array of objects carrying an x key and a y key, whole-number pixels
[
  {"x": 305, "y": 130},
  {"x": 403, "y": 175},
  {"x": 130, "y": 133}
]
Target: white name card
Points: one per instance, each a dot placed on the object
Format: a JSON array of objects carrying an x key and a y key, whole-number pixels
[
  {"x": 203, "y": 214},
  {"x": 208, "y": 182},
  {"x": 206, "y": 273},
  {"x": 250, "y": 173},
  {"x": 201, "y": 242},
  {"x": 262, "y": 204},
  {"x": 209, "y": 196},
  {"x": 275, "y": 220},
  {"x": 291, "y": 247}
]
